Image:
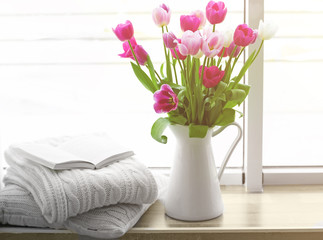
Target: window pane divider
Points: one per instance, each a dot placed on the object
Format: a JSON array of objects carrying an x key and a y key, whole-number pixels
[{"x": 254, "y": 125}]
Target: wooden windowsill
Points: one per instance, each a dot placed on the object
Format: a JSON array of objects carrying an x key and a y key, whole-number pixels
[{"x": 281, "y": 212}]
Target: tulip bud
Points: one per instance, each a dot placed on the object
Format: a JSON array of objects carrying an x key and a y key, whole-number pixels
[
  {"x": 211, "y": 76},
  {"x": 199, "y": 14},
  {"x": 165, "y": 99},
  {"x": 161, "y": 15},
  {"x": 267, "y": 30},
  {"x": 170, "y": 40},
  {"x": 190, "y": 22},
  {"x": 177, "y": 54},
  {"x": 244, "y": 35},
  {"x": 141, "y": 55},
  {"x": 228, "y": 37},
  {"x": 230, "y": 49},
  {"x": 199, "y": 54},
  {"x": 124, "y": 32},
  {"x": 213, "y": 44},
  {"x": 215, "y": 12},
  {"x": 190, "y": 44}
]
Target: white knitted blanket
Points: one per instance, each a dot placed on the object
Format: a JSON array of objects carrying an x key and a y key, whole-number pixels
[
  {"x": 18, "y": 207},
  {"x": 102, "y": 203},
  {"x": 67, "y": 193}
]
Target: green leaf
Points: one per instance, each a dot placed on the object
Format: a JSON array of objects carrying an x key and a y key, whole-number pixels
[
  {"x": 152, "y": 71},
  {"x": 162, "y": 70},
  {"x": 209, "y": 103},
  {"x": 241, "y": 113},
  {"x": 143, "y": 78},
  {"x": 219, "y": 89},
  {"x": 226, "y": 117},
  {"x": 197, "y": 131},
  {"x": 174, "y": 61},
  {"x": 222, "y": 97},
  {"x": 181, "y": 95},
  {"x": 214, "y": 113},
  {"x": 235, "y": 97},
  {"x": 244, "y": 87},
  {"x": 244, "y": 68},
  {"x": 228, "y": 71},
  {"x": 172, "y": 85},
  {"x": 158, "y": 129},
  {"x": 177, "y": 119}
]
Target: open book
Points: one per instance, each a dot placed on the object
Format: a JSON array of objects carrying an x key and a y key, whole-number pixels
[{"x": 88, "y": 151}]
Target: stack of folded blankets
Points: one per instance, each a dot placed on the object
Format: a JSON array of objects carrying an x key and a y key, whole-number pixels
[{"x": 101, "y": 203}]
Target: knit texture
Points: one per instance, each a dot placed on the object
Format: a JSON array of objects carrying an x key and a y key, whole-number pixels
[
  {"x": 102, "y": 203},
  {"x": 17, "y": 207},
  {"x": 67, "y": 193}
]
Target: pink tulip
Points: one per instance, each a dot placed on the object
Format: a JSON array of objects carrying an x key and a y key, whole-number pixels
[
  {"x": 170, "y": 40},
  {"x": 139, "y": 51},
  {"x": 244, "y": 35},
  {"x": 190, "y": 43},
  {"x": 223, "y": 52},
  {"x": 141, "y": 55},
  {"x": 255, "y": 35},
  {"x": 180, "y": 56},
  {"x": 124, "y": 32},
  {"x": 161, "y": 15},
  {"x": 213, "y": 44},
  {"x": 127, "y": 51},
  {"x": 215, "y": 12},
  {"x": 201, "y": 16},
  {"x": 230, "y": 50},
  {"x": 212, "y": 76},
  {"x": 166, "y": 100},
  {"x": 190, "y": 22}
]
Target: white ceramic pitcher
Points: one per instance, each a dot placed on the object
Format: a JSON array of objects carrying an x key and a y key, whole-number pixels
[{"x": 194, "y": 190}]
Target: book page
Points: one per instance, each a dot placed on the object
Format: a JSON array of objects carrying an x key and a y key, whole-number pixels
[
  {"x": 95, "y": 148},
  {"x": 45, "y": 154}
]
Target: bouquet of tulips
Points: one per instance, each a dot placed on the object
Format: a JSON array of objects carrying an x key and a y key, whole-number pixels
[{"x": 195, "y": 86}]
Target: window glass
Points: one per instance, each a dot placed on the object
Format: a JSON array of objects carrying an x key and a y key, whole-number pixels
[
  {"x": 293, "y": 99},
  {"x": 60, "y": 72}
]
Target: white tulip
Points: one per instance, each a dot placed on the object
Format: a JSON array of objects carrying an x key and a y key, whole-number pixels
[
  {"x": 199, "y": 54},
  {"x": 267, "y": 30},
  {"x": 228, "y": 37}
]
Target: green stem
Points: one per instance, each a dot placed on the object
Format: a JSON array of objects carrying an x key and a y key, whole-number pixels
[
  {"x": 236, "y": 60},
  {"x": 220, "y": 58},
  {"x": 158, "y": 75},
  {"x": 164, "y": 46},
  {"x": 201, "y": 108},
  {"x": 133, "y": 53},
  {"x": 175, "y": 74},
  {"x": 187, "y": 115},
  {"x": 232, "y": 53},
  {"x": 213, "y": 27},
  {"x": 187, "y": 70},
  {"x": 262, "y": 43},
  {"x": 226, "y": 77},
  {"x": 201, "y": 80},
  {"x": 179, "y": 61},
  {"x": 190, "y": 88}
]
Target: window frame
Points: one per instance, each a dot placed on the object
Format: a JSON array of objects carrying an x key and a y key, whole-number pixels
[
  {"x": 256, "y": 174},
  {"x": 254, "y": 10},
  {"x": 253, "y": 175}
]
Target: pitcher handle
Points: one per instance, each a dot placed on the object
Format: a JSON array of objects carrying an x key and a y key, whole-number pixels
[{"x": 233, "y": 146}]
